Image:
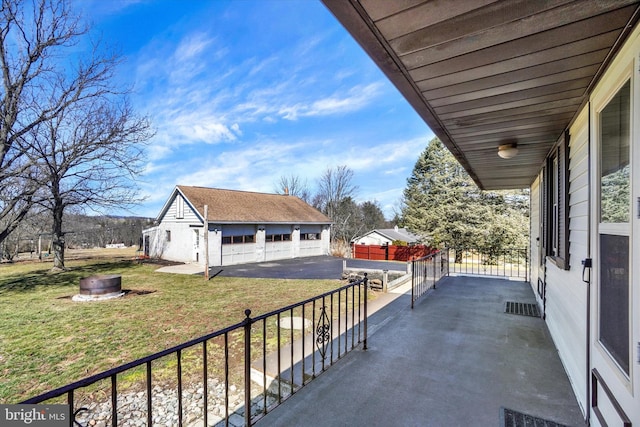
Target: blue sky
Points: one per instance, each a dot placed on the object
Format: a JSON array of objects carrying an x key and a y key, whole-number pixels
[{"x": 241, "y": 93}]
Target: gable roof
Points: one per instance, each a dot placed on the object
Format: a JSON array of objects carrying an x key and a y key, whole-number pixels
[
  {"x": 232, "y": 206},
  {"x": 398, "y": 234},
  {"x": 394, "y": 234},
  {"x": 483, "y": 73}
]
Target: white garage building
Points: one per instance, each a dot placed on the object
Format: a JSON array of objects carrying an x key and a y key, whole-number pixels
[{"x": 243, "y": 227}]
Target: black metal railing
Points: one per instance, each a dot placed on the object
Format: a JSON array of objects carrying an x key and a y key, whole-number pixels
[
  {"x": 426, "y": 272},
  {"x": 270, "y": 357},
  {"x": 511, "y": 263}
]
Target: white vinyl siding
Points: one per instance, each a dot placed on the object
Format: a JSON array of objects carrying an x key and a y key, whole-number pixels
[
  {"x": 624, "y": 387},
  {"x": 566, "y": 293},
  {"x": 566, "y": 303},
  {"x": 180, "y": 211}
]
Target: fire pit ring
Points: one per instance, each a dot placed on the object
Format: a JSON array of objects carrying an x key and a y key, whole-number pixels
[{"x": 96, "y": 288}]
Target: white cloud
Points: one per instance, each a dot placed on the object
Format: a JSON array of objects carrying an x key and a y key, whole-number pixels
[
  {"x": 358, "y": 97},
  {"x": 192, "y": 46},
  {"x": 263, "y": 65},
  {"x": 281, "y": 101}
]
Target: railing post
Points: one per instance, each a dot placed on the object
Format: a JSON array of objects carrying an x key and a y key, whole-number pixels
[
  {"x": 435, "y": 274},
  {"x": 366, "y": 297},
  {"x": 247, "y": 368},
  {"x": 413, "y": 281},
  {"x": 385, "y": 281},
  {"x": 114, "y": 401}
]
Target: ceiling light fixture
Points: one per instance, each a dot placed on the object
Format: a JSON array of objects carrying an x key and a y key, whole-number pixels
[{"x": 507, "y": 151}]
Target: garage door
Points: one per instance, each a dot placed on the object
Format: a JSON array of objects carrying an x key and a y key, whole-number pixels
[
  {"x": 310, "y": 241},
  {"x": 278, "y": 244},
  {"x": 238, "y": 245}
]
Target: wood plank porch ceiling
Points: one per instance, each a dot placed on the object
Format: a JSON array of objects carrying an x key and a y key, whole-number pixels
[{"x": 482, "y": 73}]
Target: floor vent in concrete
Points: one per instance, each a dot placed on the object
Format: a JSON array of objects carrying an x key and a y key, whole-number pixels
[
  {"x": 511, "y": 418},
  {"x": 522, "y": 309}
]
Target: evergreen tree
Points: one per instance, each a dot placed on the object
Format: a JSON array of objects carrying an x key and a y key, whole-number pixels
[
  {"x": 372, "y": 216},
  {"x": 444, "y": 206}
]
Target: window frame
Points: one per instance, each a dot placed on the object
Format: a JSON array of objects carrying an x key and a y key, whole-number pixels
[
  {"x": 305, "y": 236},
  {"x": 621, "y": 358},
  {"x": 278, "y": 237},
  {"x": 243, "y": 239},
  {"x": 555, "y": 204},
  {"x": 179, "y": 207}
]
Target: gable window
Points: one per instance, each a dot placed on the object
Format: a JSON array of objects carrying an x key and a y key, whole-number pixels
[
  {"x": 555, "y": 205},
  {"x": 168, "y": 235},
  {"x": 179, "y": 207}
]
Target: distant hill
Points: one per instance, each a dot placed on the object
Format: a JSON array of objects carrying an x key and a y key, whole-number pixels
[
  {"x": 81, "y": 231},
  {"x": 84, "y": 231}
]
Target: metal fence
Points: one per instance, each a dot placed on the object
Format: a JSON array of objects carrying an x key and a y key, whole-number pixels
[
  {"x": 426, "y": 272},
  {"x": 511, "y": 263},
  {"x": 232, "y": 376}
]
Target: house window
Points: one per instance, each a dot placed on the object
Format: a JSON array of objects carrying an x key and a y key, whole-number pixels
[
  {"x": 555, "y": 205},
  {"x": 614, "y": 226},
  {"x": 168, "y": 235},
  {"x": 179, "y": 207}
]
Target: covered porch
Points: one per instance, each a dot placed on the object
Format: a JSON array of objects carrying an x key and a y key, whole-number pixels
[{"x": 456, "y": 359}]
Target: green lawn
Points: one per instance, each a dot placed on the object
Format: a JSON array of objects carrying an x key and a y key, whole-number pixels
[{"x": 47, "y": 340}]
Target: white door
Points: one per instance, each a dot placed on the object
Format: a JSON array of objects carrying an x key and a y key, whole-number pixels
[{"x": 196, "y": 245}]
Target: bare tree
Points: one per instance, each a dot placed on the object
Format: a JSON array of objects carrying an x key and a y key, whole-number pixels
[
  {"x": 90, "y": 155},
  {"x": 37, "y": 84},
  {"x": 335, "y": 187},
  {"x": 293, "y": 185}
]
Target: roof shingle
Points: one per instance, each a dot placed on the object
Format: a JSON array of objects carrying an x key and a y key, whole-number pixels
[{"x": 232, "y": 206}]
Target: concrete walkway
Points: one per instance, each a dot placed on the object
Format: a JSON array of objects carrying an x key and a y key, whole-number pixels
[
  {"x": 182, "y": 269},
  {"x": 454, "y": 360}
]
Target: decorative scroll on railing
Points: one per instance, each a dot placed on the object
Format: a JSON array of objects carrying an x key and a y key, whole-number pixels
[
  {"x": 229, "y": 377},
  {"x": 323, "y": 332},
  {"x": 511, "y": 263},
  {"x": 426, "y": 271}
]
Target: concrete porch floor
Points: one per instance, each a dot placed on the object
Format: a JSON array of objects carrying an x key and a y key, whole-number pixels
[{"x": 454, "y": 360}]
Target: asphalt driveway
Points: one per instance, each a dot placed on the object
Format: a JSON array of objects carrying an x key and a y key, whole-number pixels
[{"x": 319, "y": 267}]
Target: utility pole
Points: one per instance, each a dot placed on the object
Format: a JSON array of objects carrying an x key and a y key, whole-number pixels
[{"x": 206, "y": 243}]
